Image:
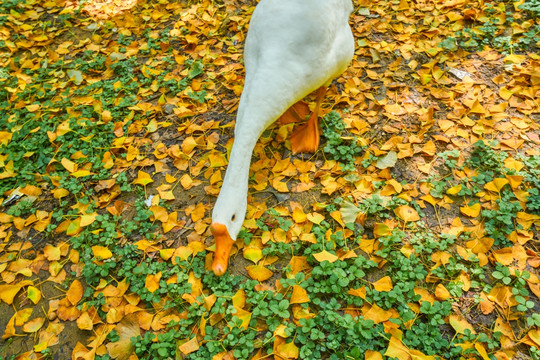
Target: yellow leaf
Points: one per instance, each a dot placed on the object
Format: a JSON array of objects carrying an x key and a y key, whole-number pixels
[
  {"x": 143, "y": 178},
  {"x": 74, "y": 227},
  {"x": 380, "y": 229},
  {"x": 52, "y": 253},
  {"x": 377, "y": 314},
  {"x": 189, "y": 346},
  {"x": 182, "y": 252},
  {"x": 299, "y": 295},
  {"x": 288, "y": 351},
  {"x": 472, "y": 211},
  {"x": 152, "y": 282},
  {"x": 75, "y": 292},
  {"x": 239, "y": 299},
  {"x": 8, "y": 292},
  {"x": 383, "y": 284},
  {"x": 396, "y": 349},
  {"x": 298, "y": 215},
  {"x": 22, "y": 316},
  {"x": 33, "y": 325},
  {"x": 166, "y": 254},
  {"x": 253, "y": 254},
  {"x": 460, "y": 324},
  {"x": 69, "y": 165},
  {"x": 84, "y": 322},
  {"x": 33, "y": 294},
  {"x": 481, "y": 350},
  {"x": 349, "y": 212},
  {"x": 373, "y": 355},
  {"x": 160, "y": 213},
  {"x": 454, "y": 190},
  {"x": 441, "y": 293},
  {"x": 280, "y": 185},
  {"x": 496, "y": 185},
  {"x": 259, "y": 272},
  {"x": 217, "y": 160},
  {"x": 126, "y": 329},
  {"x": 101, "y": 252},
  {"x": 360, "y": 292},
  {"x": 534, "y": 334},
  {"x": 325, "y": 256},
  {"x": 172, "y": 222},
  {"x": 81, "y": 173},
  {"x": 186, "y": 181},
  {"x": 315, "y": 218},
  {"x": 88, "y": 219},
  {"x": 406, "y": 213}
]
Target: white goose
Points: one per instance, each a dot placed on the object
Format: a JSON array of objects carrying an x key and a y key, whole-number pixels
[{"x": 293, "y": 48}]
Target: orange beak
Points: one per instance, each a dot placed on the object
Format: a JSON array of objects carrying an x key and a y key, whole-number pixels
[{"x": 224, "y": 245}]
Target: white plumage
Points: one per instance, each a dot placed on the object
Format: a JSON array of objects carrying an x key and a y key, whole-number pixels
[{"x": 293, "y": 47}]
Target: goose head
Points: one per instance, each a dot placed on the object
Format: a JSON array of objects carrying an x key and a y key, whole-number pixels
[{"x": 227, "y": 219}]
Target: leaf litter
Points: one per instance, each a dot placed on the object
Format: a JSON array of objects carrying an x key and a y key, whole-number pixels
[{"x": 413, "y": 234}]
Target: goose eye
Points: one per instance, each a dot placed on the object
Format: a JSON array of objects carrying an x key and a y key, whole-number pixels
[{"x": 233, "y": 217}]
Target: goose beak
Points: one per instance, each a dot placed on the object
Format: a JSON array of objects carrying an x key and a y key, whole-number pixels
[{"x": 224, "y": 245}]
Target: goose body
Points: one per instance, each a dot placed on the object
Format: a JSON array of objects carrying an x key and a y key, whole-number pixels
[{"x": 292, "y": 48}]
